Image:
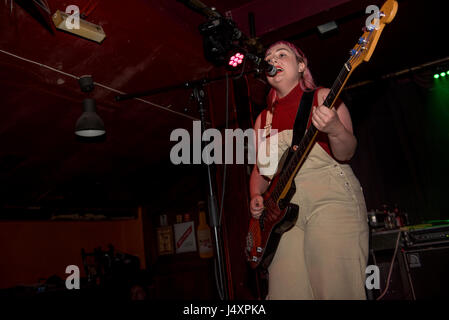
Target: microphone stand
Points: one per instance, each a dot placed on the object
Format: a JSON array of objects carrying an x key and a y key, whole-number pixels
[
  {"x": 199, "y": 94},
  {"x": 184, "y": 85}
]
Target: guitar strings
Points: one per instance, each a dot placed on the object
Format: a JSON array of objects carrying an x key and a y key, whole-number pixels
[{"x": 301, "y": 148}]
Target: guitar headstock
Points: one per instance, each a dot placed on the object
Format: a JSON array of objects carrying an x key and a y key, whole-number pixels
[{"x": 366, "y": 44}]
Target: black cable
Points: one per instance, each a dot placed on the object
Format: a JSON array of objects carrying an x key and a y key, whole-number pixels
[
  {"x": 238, "y": 77},
  {"x": 224, "y": 169}
]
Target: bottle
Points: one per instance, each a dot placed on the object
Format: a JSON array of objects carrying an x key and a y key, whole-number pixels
[
  {"x": 164, "y": 237},
  {"x": 386, "y": 217},
  {"x": 406, "y": 219},
  {"x": 371, "y": 217},
  {"x": 398, "y": 217},
  {"x": 391, "y": 219},
  {"x": 203, "y": 234}
]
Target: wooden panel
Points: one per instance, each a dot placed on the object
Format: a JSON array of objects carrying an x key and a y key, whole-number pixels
[{"x": 39, "y": 249}]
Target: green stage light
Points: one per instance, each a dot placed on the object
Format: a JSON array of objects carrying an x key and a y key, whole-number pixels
[
  {"x": 436, "y": 76},
  {"x": 443, "y": 74}
]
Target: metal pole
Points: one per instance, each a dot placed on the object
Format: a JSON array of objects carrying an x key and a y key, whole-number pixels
[{"x": 198, "y": 93}]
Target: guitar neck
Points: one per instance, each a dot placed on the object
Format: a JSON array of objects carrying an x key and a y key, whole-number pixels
[
  {"x": 338, "y": 85},
  {"x": 298, "y": 157}
]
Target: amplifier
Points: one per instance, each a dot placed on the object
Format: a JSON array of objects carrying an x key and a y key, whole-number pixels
[
  {"x": 415, "y": 237},
  {"x": 419, "y": 270}
]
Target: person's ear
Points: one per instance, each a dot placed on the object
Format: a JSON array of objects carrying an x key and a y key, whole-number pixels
[{"x": 301, "y": 67}]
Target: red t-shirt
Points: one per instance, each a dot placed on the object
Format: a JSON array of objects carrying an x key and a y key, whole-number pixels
[{"x": 284, "y": 115}]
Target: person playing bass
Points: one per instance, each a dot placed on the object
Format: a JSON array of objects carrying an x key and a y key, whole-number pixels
[{"x": 324, "y": 255}]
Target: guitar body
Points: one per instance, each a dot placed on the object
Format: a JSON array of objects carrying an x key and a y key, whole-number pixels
[
  {"x": 263, "y": 242},
  {"x": 265, "y": 233}
]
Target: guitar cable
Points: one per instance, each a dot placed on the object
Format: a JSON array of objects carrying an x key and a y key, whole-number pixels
[{"x": 391, "y": 268}]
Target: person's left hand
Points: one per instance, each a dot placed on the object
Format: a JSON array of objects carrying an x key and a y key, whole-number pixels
[{"x": 326, "y": 120}]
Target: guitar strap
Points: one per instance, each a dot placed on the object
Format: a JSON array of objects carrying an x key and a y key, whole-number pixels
[
  {"x": 302, "y": 117},
  {"x": 300, "y": 125}
]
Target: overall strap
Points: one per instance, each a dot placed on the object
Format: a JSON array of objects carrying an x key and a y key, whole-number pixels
[{"x": 302, "y": 117}]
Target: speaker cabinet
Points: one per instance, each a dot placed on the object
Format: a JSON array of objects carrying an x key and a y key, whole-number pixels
[
  {"x": 418, "y": 273},
  {"x": 428, "y": 271}
]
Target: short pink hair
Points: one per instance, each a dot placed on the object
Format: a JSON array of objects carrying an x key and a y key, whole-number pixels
[{"x": 306, "y": 82}]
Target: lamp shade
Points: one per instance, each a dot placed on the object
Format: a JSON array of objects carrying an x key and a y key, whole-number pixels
[{"x": 89, "y": 124}]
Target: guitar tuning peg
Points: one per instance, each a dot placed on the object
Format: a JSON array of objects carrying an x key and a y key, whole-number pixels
[
  {"x": 381, "y": 14},
  {"x": 362, "y": 40},
  {"x": 352, "y": 52}
]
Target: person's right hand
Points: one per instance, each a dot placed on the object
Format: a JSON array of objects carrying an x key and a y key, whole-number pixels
[{"x": 256, "y": 206}]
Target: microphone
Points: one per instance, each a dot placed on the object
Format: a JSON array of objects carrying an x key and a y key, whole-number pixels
[{"x": 269, "y": 68}]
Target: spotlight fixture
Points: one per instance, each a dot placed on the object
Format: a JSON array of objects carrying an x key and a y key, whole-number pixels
[
  {"x": 85, "y": 29},
  {"x": 89, "y": 124},
  {"x": 220, "y": 36}
]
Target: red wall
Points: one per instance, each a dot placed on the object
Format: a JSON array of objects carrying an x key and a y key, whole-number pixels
[{"x": 30, "y": 250}]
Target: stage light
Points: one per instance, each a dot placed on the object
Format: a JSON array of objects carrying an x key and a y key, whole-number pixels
[
  {"x": 89, "y": 124},
  {"x": 443, "y": 74},
  {"x": 236, "y": 59},
  {"x": 436, "y": 76}
]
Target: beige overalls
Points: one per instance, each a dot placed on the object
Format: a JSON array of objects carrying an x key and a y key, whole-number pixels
[{"x": 324, "y": 256}]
